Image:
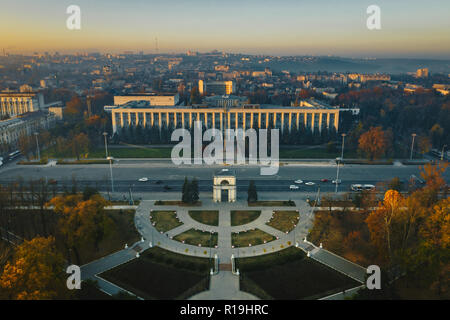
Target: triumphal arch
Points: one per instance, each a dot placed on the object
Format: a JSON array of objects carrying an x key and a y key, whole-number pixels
[{"x": 224, "y": 189}]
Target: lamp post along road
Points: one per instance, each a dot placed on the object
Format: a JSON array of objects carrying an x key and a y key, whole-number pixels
[
  {"x": 105, "y": 134},
  {"x": 37, "y": 146},
  {"x": 110, "y": 169},
  {"x": 337, "y": 175},
  {"x": 343, "y": 141},
  {"x": 412, "y": 145}
]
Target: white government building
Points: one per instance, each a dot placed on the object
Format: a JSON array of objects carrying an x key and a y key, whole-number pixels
[{"x": 311, "y": 114}]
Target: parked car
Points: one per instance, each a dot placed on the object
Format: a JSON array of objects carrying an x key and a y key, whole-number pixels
[
  {"x": 369, "y": 187},
  {"x": 310, "y": 183},
  {"x": 324, "y": 180},
  {"x": 143, "y": 179},
  {"x": 338, "y": 181},
  {"x": 357, "y": 187},
  {"x": 298, "y": 181},
  {"x": 293, "y": 187}
]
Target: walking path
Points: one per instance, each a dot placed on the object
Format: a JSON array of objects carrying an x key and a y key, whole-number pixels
[{"x": 224, "y": 284}]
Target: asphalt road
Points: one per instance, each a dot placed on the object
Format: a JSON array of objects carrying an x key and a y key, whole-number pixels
[{"x": 127, "y": 173}]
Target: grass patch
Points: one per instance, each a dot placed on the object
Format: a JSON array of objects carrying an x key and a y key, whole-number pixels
[
  {"x": 312, "y": 153},
  {"x": 273, "y": 203},
  {"x": 240, "y": 217},
  {"x": 36, "y": 162},
  {"x": 196, "y": 237},
  {"x": 87, "y": 161},
  {"x": 132, "y": 152},
  {"x": 284, "y": 220},
  {"x": 253, "y": 237},
  {"x": 177, "y": 203},
  {"x": 374, "y": 162},
  {"x": 290, "y": 275},
  {"x": 209, "y": 217},
  {"x": 162, "y": 275},
  {"x": 164, "y": 220}
]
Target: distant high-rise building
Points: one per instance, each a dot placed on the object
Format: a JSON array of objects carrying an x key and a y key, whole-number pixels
[
  {"x": 216, "y": 87},
  {"x": 422, "y": 73}
]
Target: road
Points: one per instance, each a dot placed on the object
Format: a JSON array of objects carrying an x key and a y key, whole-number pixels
[{"x": 127, "y": 173}]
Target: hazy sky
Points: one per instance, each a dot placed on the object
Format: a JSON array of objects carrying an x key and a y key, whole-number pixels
[{"x": 410, "y": 28}]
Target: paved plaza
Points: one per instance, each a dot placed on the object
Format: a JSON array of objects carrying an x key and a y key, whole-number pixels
[{"x": 224, "y": 284}]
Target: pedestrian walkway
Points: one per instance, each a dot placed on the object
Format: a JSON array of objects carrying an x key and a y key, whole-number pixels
[{"x": 224, "y": 284}]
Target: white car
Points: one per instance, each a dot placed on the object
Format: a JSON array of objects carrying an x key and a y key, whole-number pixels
[
  {"x": 293, "y": 187},
  {"x": 338, "y": 181},
  {"x": 369, "y": 187},
  {"x": 143, "y": 179},
  {"x": 298, "y": 181},
  {"x": 309, "y": 183}
]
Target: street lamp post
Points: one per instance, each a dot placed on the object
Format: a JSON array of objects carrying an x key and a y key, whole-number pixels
[
  {"x": 105, "y": 134},
  {"x": 110, "y": 169},
  {"x": 131, "y": 195},
  {"x": 37, "y": 146},
  {"x": 412, "y": 145},
  {"x": 343, "y": 141},
  {"x": 337, "y": 175},
  {"x": 442, "y": 154}
]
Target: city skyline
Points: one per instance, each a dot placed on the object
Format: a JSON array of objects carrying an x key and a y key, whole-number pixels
[{"x": 408, "y": 29}]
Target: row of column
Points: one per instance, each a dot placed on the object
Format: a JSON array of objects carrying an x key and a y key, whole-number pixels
[{"x": 322, "y": 116}]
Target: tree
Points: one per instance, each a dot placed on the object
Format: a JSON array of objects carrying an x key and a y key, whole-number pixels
[
  {"x": 36, "y": 272},
  {"x": 252, "y": 193},
  {"x": 26, "y": 146},
  {"x": 195, "y": 193},
  {"x": 395, "y": 184},
  {"x": 82, "y": 223},
  {"x": 436, "y": 245},
  {"x": 380, "y": 223},
  {"x": 80, "y": 145},
  {"x": 373, "y": 143},
  {"x": 185, "y": 191}
]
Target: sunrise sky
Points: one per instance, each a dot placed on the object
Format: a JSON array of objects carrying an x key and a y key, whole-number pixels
[{"x": 416, "y": 29}]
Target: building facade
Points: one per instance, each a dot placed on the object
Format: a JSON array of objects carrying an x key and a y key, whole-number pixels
[
  {"x": 17, "y": 103},
  {"x": 12, "y": 129},
  {"x": 216, "y": 87},
  {"x": 153, "y": 99},
  {"x": 313, "y": 117}
]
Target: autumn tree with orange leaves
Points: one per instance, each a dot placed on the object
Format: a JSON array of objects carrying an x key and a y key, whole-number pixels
[
  {"x": 36, "y": 272},
  {"x": 82, "y": 223},
  {"x": 373, "y": 143}
]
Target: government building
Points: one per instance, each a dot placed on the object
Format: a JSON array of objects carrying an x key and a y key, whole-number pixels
[
  {"x": 17, "y": 103},
  {"x": 311, "y": 114}
]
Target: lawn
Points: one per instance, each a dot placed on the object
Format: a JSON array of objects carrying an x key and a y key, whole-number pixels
[
  {"x": 273, "y": 203},
  {"x": 253, "y": 237},
  {"x": 132, "y": 152},
  {"x": 196, "y": 237},
  {"x": 127, "y": 152},
  {"x": 284, "y": 220},
  {"x": 162, "y": 275},
  {"x": 164, "y": 220},
  {"x": 312, "y": 153},
  {"x": 240, "y": 217},
  {"x": 290, "y": 275},
  {"x": 209, "y": 217}
]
